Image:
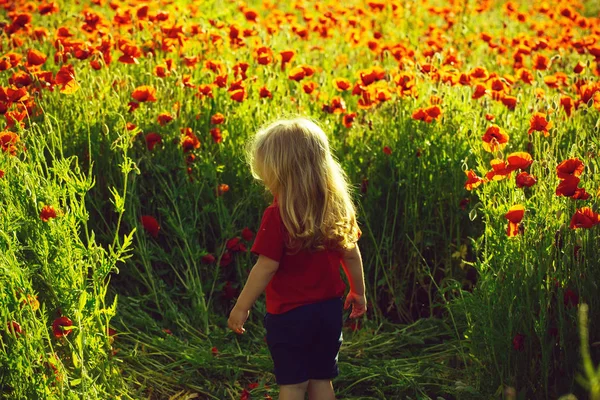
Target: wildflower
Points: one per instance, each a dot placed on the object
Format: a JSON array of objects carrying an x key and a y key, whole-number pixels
[
  {"x": 584, "y": 218},
  {"x": 514, "y": 216},
  {"x": 519, "y": 160},
  {"x": 494, "y": 139},
  {"x": 524, "y": 179},
  {"x": 216, "y": 135},
  {"x": 473, "y": 181},
  {"x": 217, "y": 119},
  {"x": 207, "y": 259},
  {"x": 150, "y": 224},
  {"x": 164, "y": 118},
  {"x": 152, "y": 139},
  {"x": 518, "y": 342},
  {"x": 15, "y": 327},
  {"x": 58, "y": 326},
  {"x": 538, "y": 123},
  {"x": 499, "y": 170},
  {"x": 47, "y": 213},
  {"x": 222, "y": 188},
  {"x": 342, "y": 84},
  {"x": 247, "y": 234},
  {"x": 387, "y": 150},
  {"x": 264, "y": 92},
  {"x": 144, "y": 93},
  {"x": 348, "y": 119},
  {"x": 570, "y": 298},
  {"x": 189, "y": 141},
  {"x": 570, "y": 167}
]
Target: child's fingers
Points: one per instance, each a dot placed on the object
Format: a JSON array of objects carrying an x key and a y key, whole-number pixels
[{"x": 347, "y": 302}]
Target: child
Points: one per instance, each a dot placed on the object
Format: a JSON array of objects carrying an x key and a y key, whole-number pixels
[{"x": 304, "y": 236}]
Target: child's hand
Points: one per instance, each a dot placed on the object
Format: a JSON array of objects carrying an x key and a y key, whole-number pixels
[
  {"x": 237, "y": 318},
  {"x": 358, "y": 302}
]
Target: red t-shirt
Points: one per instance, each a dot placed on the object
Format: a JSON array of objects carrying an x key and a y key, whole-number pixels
[{"x": 302, "y": 278}]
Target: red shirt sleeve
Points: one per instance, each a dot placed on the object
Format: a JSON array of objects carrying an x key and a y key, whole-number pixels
[{"x": 269, "y": 238}]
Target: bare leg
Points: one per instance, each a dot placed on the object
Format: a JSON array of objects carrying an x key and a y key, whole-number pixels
[
  {"x": 293, "y": 392},
  {"x": 319, "y": 389}
]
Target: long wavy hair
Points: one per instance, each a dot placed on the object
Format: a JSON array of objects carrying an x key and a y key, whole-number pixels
[{"x": 293, "y": 160}]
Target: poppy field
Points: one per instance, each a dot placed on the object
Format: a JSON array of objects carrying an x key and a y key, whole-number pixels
[{"x": 469, "y": 129}]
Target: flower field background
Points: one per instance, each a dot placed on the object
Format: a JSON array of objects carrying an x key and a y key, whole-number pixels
[{"x": 469, "y": 129}]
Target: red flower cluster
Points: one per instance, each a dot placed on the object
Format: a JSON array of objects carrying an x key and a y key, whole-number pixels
[{"x": 568, "y": 172}]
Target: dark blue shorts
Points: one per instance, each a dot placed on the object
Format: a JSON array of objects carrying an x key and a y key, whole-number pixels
[{"x": 305, "y": 341}]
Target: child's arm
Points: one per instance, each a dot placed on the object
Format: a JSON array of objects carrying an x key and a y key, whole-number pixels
[
  {"x": 259, "y": 277},
  {"x": 353, "y": 267}
]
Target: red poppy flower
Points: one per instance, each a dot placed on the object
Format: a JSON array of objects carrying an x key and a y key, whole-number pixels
[
  {"x": 479, "y": 91},
  {"x": 14, "y": 326},
  {"x": 519, "y": 160},
  {"x": 373, "y": 74},
  {"x": 226, "y": 259},
  {"x": 164, "y": 118},
  {"x": 216, "y": 135},
  {"x": 567, "y": 103},
  {"x": 570, "y": 167},
  {"x": 238, "y": 95},
  {"x": 538, "y": 123},
  {"x": 1, "y": 174},
  {"x": 510, "y": 102},
  {"x": 223, "y": 188},
  {"x": 518, "y": 342},
  {"x": 286, "y": 57},
  {"x": 494, "y": 139},
  {"x": 514, "y": 216},
  {"x": 152, "y": 139},
  {"x": 524, "y": 179},
  {"x": 150, "y": 224},
  {"x": 133, "y": 105},
  {"x": 348, "y": 119},
  {"x": 568, "y": 186},
  {"x": 233, "y": 244},
  {"x": 579, "y": 67},
  {"x": 229, "y": 292},
  {"x": 207, "y": 259},
  {"x": 570, "y": 298},
  {"x": 342, "y": 84},
  {"x": 309, "y": 87},
  {"x": 8, "y": 141},
  {"x": 205, "y": 90},
  {"x": 499, "y": 170},
  {"x": 65, "y": 77},
  {"x": 264, "y": 92},
  {"x": 247, "y": 234},
  {"x": 47, "y": 213},
  {"x": 427, "y": 114},
  {"x": 387, "y": 150},
  {"x": 59, "y": 324},
  {"x": 473, "y": 181},
  {"x": 245, "y": 395},
  {"x": 541, "y": 62},
  {"x": 297, "y": 74},
  {"x": 584, "y": 218},
  {"x": 35, "y": 58},
  {"x": 144, "y": 93},
  {"x": 214, "y": 351},
  {"x": 580, "y": 194},
  {"x": 217, "y": 119},
  {"x": 190, "y": 141},
  {"x": 264, "y": 55}
]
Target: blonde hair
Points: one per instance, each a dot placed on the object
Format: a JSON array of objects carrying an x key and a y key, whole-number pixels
[{"x": 293, "y": 160}]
